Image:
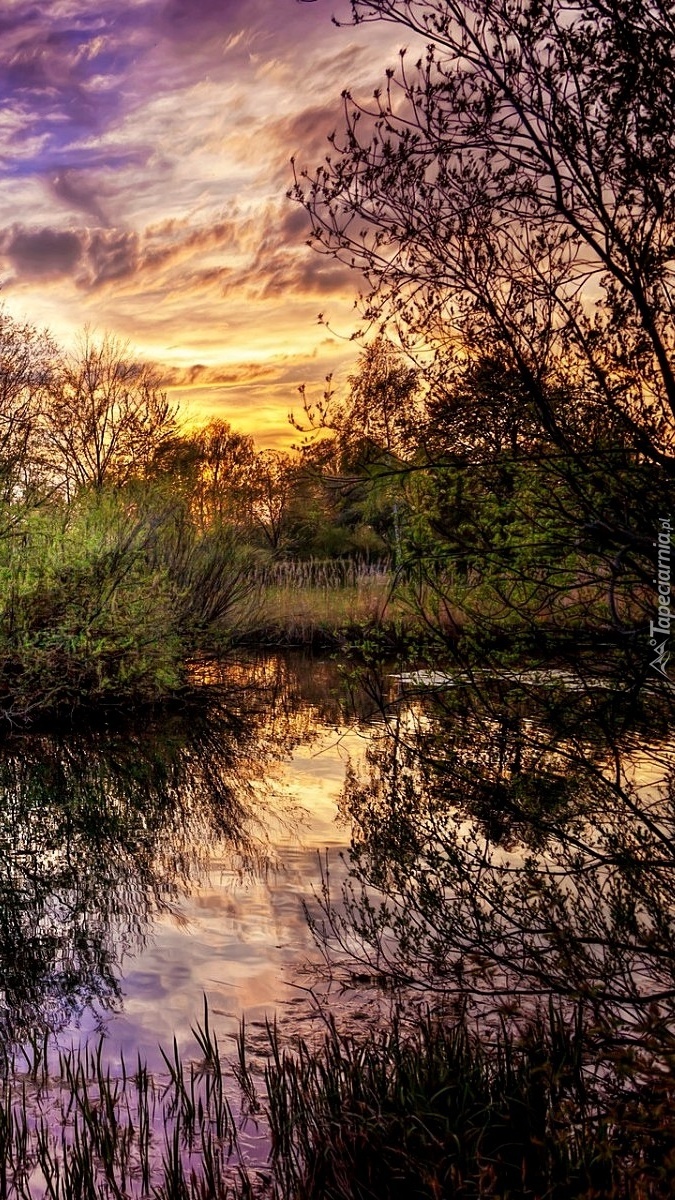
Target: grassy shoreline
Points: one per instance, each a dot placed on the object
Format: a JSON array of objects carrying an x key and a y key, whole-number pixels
[
  {"x": 332, "y": 603},
  {"x": 104, "y": 607},
  {"x": 321, "y": 603}
]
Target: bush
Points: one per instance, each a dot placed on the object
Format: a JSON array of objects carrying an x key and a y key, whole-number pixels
[{"x": 105, "y": 600}]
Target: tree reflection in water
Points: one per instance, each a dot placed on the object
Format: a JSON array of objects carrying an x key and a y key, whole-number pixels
[
  {"x": 101, "y": 830},
  {"x": 514, "y": 842},
  {"x": 512, "y": 847}
]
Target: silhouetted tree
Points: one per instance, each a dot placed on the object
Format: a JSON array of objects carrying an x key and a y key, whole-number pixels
[
  {"x": 376, "y": 418},
  {"x": 514, "y": 194},
  {"x": 106, "y": 416}
]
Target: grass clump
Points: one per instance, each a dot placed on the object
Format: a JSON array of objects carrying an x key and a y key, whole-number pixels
[
  {"x": 323, "y": 601},
  {"x": 415, "y": 1111},
  {"x": 431, "y": 1112},
  {"x": 84, "y": 1132}
]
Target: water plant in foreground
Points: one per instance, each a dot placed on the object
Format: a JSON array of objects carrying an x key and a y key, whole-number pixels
[{"x": 423, "y": 1108}]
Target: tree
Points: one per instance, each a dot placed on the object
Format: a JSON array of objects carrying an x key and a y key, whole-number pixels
[
  {"x": 26, "y": 362},
  {"x": 226, "y": 462},
  {"x": 515, "y": 193},
  {"x": 484, "y": 415},
  {"x": 382, "y": 400},
  {"x": 375, "y": 420},
  {"x": 106, "y": 416},
  {"x": 270, "y": 495},
  {"x": 373, "y": 431}
]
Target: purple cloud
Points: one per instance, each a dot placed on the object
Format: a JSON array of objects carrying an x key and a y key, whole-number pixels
[
  {"x": 58, "y": 68},
  {"x": 99, "y": 256},
  {"x": 42, "y": 253},
  {"x": 145, "y": 151},
  {"x": 78, "y": 190}
]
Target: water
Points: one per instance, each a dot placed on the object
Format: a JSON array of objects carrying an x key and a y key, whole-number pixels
[
  {"x": 239, "y": 935},
  {"x": 519, "y": 827},
  {"x": 146, "y": 866}
]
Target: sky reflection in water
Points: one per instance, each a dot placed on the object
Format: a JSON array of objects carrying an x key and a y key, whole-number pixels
[
  {"x": 241, "y": 935},
  {"x": 144, "y": 867}
]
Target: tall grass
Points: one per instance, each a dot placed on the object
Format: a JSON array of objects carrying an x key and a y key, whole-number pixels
[
  {"x": 415, "y": 1112},
  {"x": 430, "y": 1111},
  {"x": 328, "y": 574},
  {"x": 319, "y": 600}
]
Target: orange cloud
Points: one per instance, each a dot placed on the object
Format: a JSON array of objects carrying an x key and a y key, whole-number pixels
[{"x": 145, "y": 151}]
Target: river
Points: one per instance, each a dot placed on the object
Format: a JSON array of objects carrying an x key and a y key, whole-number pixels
[{"x": 519, "y": 828}]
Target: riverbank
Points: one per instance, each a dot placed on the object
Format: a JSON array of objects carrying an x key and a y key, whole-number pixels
[
  {"x": 104, "y": 608},
  {"x": 322, "y": 604}
]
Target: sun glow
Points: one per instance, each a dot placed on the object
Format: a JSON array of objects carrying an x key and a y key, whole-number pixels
[{"x": 147, "y": 157}]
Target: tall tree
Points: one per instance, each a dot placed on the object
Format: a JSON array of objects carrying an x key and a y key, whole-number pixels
[
  {"x": 382, "y": 400},
  {"x": 270, "y": 494},
  {"x": 374, "y": 430},
  {"x": 226, "y": 462},
  {"x": 515, "y": 192},
  {"x": 106, "y": 416}
]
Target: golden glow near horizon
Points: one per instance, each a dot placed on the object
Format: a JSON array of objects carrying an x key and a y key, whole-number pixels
[{"x": 145, "y": 151}]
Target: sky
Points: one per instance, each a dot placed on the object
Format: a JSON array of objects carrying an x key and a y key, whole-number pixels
[{"x": 145, "y": 151}]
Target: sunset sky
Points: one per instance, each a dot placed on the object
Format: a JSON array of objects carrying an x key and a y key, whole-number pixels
[{"x": 145, "y": 149}]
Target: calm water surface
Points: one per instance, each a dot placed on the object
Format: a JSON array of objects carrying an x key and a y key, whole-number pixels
[
  {"x": 520, "y": 826},
  {"x": 147, "y": 867},
  {"x": 239, "y": 935}
]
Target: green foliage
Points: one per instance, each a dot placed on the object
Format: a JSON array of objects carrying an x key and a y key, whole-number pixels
[
  {"x": 102, "y": 601},
  {"x": 509, "y": 546},
  {"x": 114, "y": 568}
]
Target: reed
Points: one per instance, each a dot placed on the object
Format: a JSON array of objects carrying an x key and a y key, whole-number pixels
[
  {"x": 322, "y": 601},
  {"x": 419, "y": 1109},
  {"x": 324, "y": 574},
  {"x": 86, "y": 1133}
]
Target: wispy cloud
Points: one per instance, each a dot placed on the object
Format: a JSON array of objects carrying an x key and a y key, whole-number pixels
[{"x": 144, "y": 151}]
